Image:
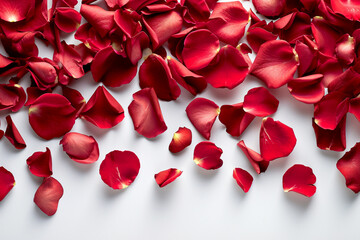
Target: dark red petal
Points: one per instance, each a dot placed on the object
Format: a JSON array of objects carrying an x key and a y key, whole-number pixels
[
  {"x": 67, "y": 19},
  {"x": 200, "y": 48},
  {"x": 276, "y": 139},
  {"x": 307, "y": 57},
  {"x": 34, "y": 93},
  {"x": 308, "y": 89},
  {"x": 181, "y": 139},
  {"x": 345, "y": 49},
  {"x": 275, "y": 63},
  {"x": 44, "y": 74},
  {"x": 112, "y": 69},
  {"x": 235, "y": 119},
  {"x": 135, "y": 46},
  {"x": 243, "y": 179},
  {"x": 230, "y": 69},
  {"x": 349, "y": 166},
  {"x": 102, "y": 109},
  {"x": 80, "y": 148},
  {"x": 51, "y": 116},
  {"x": 207, "y": 155},
  {"x": 228, "y": 21},
  {"x": 102, "y": 20},
  {"x": 198, "y": 10},
  {"x": 15, "y": 11},
  {"x": 126, "y": 22},
  {"x": 48, "y": 195},
  {"x": 13, "y": 135},
  {"x": 256, "y": 36},
  {"x": 202, "y": 113},
  {"x": 269, "y": 8},
  {"x": 165, "y": 177},
  {"x": 354, "y": 107},
  {"x": 119, "y": 169},
  {"x": 114, "y": 3},
  {"x": 146, "y": 114},
  {"x": 348, "y": 8},
  {"x": 294, "y": 26},
  {"x": 260, "y": 102},
  {"x": 300, "y": 179},
  {"x": 40, "y": 163},
  {"x": 192, "y": 82},
  {"x": 91, "y": 38},
  {"x": 74, "y": 97},
  {"x": 155, "y": 73},
  {"x": 330, "y": 68},
  {"x": 7, "y": 182},
  {"x": 347, "y": 82},
  {"x": 334, "y": 140},
  {"x": 255, "y": 159},
  {"x": 12, "y": 96}
]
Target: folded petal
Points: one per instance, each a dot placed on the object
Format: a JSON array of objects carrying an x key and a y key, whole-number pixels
[
  {"x": 40, "y": 163},
  {"x": 13, "y": 134},
  {"x": 300, "y": 179},
  {"x": 255, "y": 159},
  {"x": 243, "y": 179},
  {"x": 269, "y": 8},
  {"x": 260, "y": 102},
  {"x": 207, "y": 155},
  {"x": 43, "y": 73},
  {"x": 102, "y": 20},
  {"x": 345, "y": 49},
  {"x": 119, "y": 169},
  {"x": 349, "y": 8},
  {"x": 74, "y": 97},
  {"x": 307, "y": 57},
  {"x": 181, "y": 139},
  {"x": 165, "y": 177},
  {"x": 294, "y": 26},
  {"x": 12, "y": 96},
  {"x": 308, "y": 89},
  {"x": 67, "y": 19},
  {"x": 7, "y": 182},
  {"x": 256, "y": 36},
  {"x": 349, "y": 166},
  {"x": 48, "y": 195}
]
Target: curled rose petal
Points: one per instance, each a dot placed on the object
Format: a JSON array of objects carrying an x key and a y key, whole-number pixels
[
  {"x": 349, "y": 8},
  {"x": 119, "y": 169},
  {"x": 275, "y": 63},
  {"x": 67, "y": 19},
  {"x": 71, "y": 61},
  {"x": 48, "y": 195},
  {"x": 12, "y": 96},
  {"x": 307, "y": 56},
  {"x": 260, "y": 102},
  {"x": 243, "y": 179},
  {"x": 43, "y": 73},
  {"x": 102, "y": 109},
  {"x": 235, "y": 119},
  {"x": 255, "y": 159},
  {"x": 7, "y": 182},
  {"x": 308, "y": 89},
  {"x": 165, "y": 177},
  {"x": 202, "y": 113},
  {"x": 257, "y": 35},
  {"x": 200, "y": 48},
  {"x": 40, "y": 163},
  {"x": 349, "y": 166},
  {"x": 300, "y": 179},
  {"x": 15, "y": 11},
  {"x": 146, "y": 114},
  {"x": 13, "y": 134},
  {"x": 207, "y": 155},
  {"x": 269, "y": 8},
  {"x": 80, "y": 148},
  {"x": 74, "y": 97},
  {"x": 181, "y": 139},
  {"x": 276, "y": 139},
  {"x": 51, "y": 116},
  {"x": 294, "y": 26},
  {"x": 345, "y": 49},
  {"x": 102, "y": 20}
]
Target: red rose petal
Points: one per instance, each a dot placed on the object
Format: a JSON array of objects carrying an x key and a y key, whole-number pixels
[
  {"x": 91, "y": 38},
  {"x": 308, "y": 89},
  {"x": 13, "y": 135},
  {"x": 345, "y": 49},
  {"x": 198, "y": 10},
  {"x": 51, "y": 116},
  {"x": 207, "y": 155},
  {"x": 102, "y": 20},
  {"x": 347, "y": 82},
  {"x": 330, "y": 68},
  {"x": 12, "y": 96},
  {"x": 276, "y": 139},
  {"x": 48, "y": 195},
  {"x": 165, "y": 177},
  {"x": 102, "y": 109},
  {"x": 80, "y": 148},
  {"x": 15, "y": 11},
  {"x": 269, "y": 8},
  {"x": 354, "y": 107},
  {"x": 34, "y": 93},
  {"x": 260, "y": 102},
  {"x": 275, "y": 63},
  {"x": 235, "y": 119},
  {"x": 307, "y": 57},
  {"x": 300, "y": 179},
  {"x": 202, "y": 114},
  {"x": 74, "y": 97},
  {"x": 119, "y": 169},
  {"x": 255, "y": 159},
  {"x": 348, "y": 8},
  {"x": 67, "y": 19},
  {"x": 155, "y": 73},
  {"x": 256, "y": 36},
  {"x": 43, "y": 73},
  {"x": 349, "y": 166},
  {"x": 181, "y": 139},
  {"x": 40, "y": 163},
  {"x": 243, "y": 179},
  {"x": 7, "y": 182},
  {"x": 146, "y": 114},
  {"x": 294, "y": 26},
  {"x": 200, "y": 48}
]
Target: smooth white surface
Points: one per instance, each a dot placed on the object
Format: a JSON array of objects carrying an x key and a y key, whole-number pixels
[{"x": 200, "y": 204}]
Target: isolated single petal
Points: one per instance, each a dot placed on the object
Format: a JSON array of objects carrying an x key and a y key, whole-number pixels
[
  {"x": 181, "y": 139},
  {"x": 349, "y": 166},
  {"x": 300, "y": 179},
  {"x": 13, "y": 134},
  {"x": 207, "y": 155},
  {"x": 7, "y": 182},
  {"x": 40, "y": 163},
  {"x": 243, "y": 179},
  {"x": 260, "y": 102},
  {"x": 255, "y": 159},
  {"x": 165, "y": 177},
  {"x": 48, "y": 195}
]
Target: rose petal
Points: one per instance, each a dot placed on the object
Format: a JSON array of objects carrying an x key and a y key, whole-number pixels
[
  {"x": 329, "y": 67},
  {"x": 345, "y": 49},
  {"x": 102, "y": 109},
  {"x": 243, "y": 179},
  {"x": 74, "y": 97},
  {"x": 260, "y": 102},
  {"x": 43, "y": 73},
  {"x": 207, "y": 155},
  {"x": 300, "y": 179},
  {"x": 12, "y": 96},
  {"x": 307, "y": 57},
  {"x": 146, "y": 114},
  {"x": 354, "y": 107},
  {"x": 294, "y": 26},
  {"x": 13, "y": 134},
  {"x": 48, "y": 195},
  {"x": 347, "y": 83},
  {"x": 67, "y": 19},
  {"x": 51, "y": 116},
  {"x": 276, "y": 139},
  {"x": 202, "y": 114},
  {"x": 308, "y": 89},
  {"x": 40, "y": 163},
  {"x": 119, "y": 169},
  {"x": 198, "y": 10},
  {"x": 235, "y": 119},
  {"x": 165, "y": 177},
  {"x": 80, "y": 148},
  {"x": 255, "y": 159},
  {"x": 349, "y": 166},
  {"x": 15, "y": 11},
  {"x": 102, "y": 20},
  {"x": 256, "y": 36},
  {"x": 7, "y": 182},
  {"x": 349, "y": 8},
  {"x": 181, "y": 139},
  {"x": 269, "y": 8},
  {"x": 275, "y": 63}
]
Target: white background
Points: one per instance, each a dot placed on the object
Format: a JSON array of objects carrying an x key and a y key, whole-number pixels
[{"x": 200, "y": 204}]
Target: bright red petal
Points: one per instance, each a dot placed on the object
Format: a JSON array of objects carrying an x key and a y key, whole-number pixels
[
  {"x": 348, "y": 8},
  {"x": 260, "y": 102},
  {"x": 13, "y": 134},
  {"x": 256, "y": 36},
  {"x": 308, "y": 89},
  {"x": 276, "y": 139},
  {"x": 7, "y": 182},
  {"x": 74, "y": 97},
  {"x": 102, "y": 20},
  {"x": 181, "y": 139},
  {"x": 300, "y": 179},
  {"x": 40, "y": 163},
  {"x": 165, "y": 177},
  {"x": 243, "y": 179},
  {"x": 119, "y": 169},
  {"x": 269, "y": 8},
  {"x": 349, "y": 166},
  {"x": 12, "y": 96},
  {"x": 345, "y": 49},
  {"x": 207, "y": 155},
  {"x": 255, "y": 159},
  {"x": 15, "y": 11},
  {"x": 48, "y": 195}
]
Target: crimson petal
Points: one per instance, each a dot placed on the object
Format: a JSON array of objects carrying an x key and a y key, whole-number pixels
[
  {"x": 15, "y": 11},
  {"x": 40, "y": 163},
  {"x": 165, "y": 177},
  {"x": 48, "y": 195},
  {"x": 269, "y": 8},
  {"x": 207, "y": 155},
  {"x": 243, "y": 179},
  {"x": 308, "y": 89},
  {"x": 181, "y": 139},
  {"x": 255, "y": 159},
  {"x": 67, "y": 19},
  {"x": 7, "y": 182},
  {"x": 260, "y": 102},
  {"x": 12, "y": 96},
  {"x": 13, "y": 134},
  {"x": 349, "y": 166},
  {"x": 345, "y": 49},
  {"x": 102, "y": 20},
  {"x": 349, "y": 8},
  {"x": 300, "y": 179}
]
